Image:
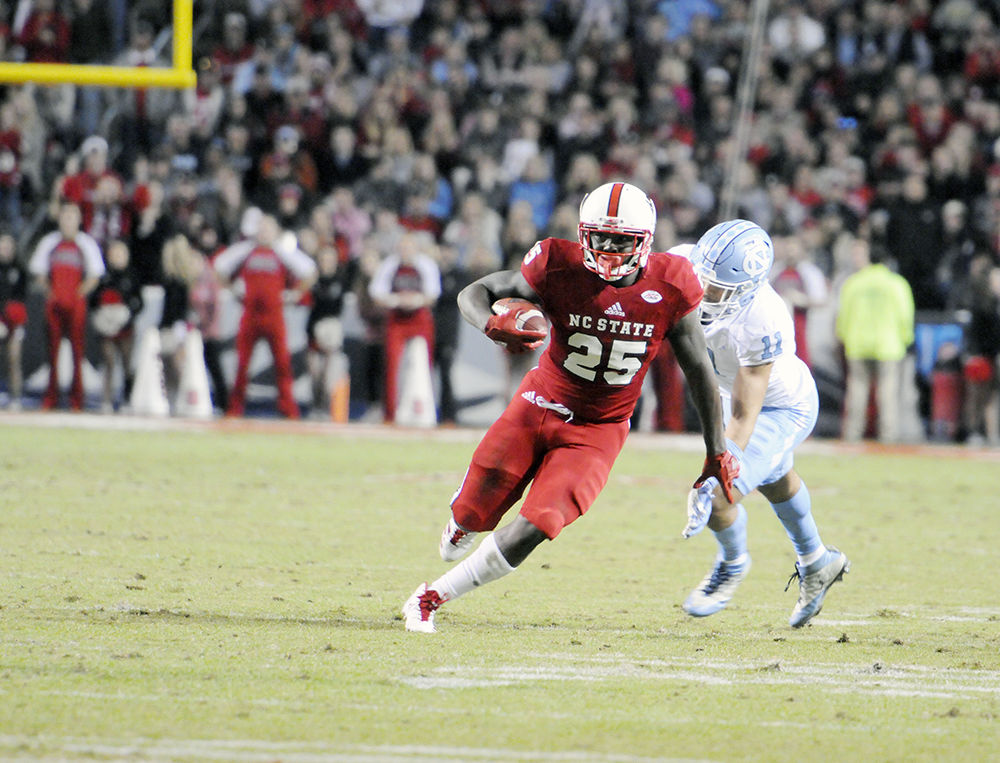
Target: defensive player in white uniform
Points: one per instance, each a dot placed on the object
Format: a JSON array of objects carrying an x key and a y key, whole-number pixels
[{"x": 770, "y": 405}]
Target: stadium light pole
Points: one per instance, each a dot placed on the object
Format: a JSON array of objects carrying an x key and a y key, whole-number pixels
[{"x": 746, "y": 94}]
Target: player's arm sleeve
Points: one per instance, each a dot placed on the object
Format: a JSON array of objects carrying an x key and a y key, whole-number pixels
[
  {"x": 92, "y": 259},
  {"x": 380, "y": 287},
  {"x": 687, "y": 339},
  {"x": 430, "y": 278},
  {"x": 689, "y": 292},
  {"x": 298, "y": 262},
  {"x": 228, "y": 261},
  {"x": 475, "y": 301},
  {"x": 38, "y": 266},
  {"x": 764, "y": 343},
  {"x": 535, "y": 267}
]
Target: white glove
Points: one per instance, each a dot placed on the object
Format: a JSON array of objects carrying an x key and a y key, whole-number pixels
[{"x": 699, "y": 507}]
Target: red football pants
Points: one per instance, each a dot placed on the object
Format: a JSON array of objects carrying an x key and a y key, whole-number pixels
[
  {"x": 69, "y": 320},
  {"x": 567, "y": 464},
  {"x": 270, "y": 326},
  {"x": 398, "y": 331}
]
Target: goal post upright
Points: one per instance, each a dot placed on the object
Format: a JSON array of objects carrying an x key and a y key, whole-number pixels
[{"x": 179, "y": 75}]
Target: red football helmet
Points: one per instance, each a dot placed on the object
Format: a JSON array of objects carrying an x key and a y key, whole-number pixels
[{"x": 617, "y": 221}]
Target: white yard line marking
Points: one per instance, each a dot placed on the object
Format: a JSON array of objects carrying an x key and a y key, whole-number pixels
[
  {"x": 684, "y": 442},
  {"x": 876, "y": 679},
  {"x": 251, "y": 751}
]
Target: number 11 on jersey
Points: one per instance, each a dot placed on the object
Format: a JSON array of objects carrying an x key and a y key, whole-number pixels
[{"x": 769, "y": 351}]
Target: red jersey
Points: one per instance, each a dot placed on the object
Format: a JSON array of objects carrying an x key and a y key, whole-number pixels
[
  {"x": 265, "y": 277},
  {"x": 265, "y": 272},
  {"x": 604, "y": 336},
  {"x": 65, "y": 263}
]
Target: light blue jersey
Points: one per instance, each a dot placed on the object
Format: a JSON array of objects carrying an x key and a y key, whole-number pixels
[{"x": 760, "y": 333}]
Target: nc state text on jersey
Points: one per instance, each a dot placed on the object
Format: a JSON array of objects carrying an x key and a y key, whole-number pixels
[{"x": 626, "y": 328}]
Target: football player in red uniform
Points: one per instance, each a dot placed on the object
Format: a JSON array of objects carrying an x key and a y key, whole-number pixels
[{"x": 611, "y": 303}]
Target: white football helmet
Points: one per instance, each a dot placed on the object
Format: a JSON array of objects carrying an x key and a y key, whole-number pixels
[{"x": 617, "y": 221}]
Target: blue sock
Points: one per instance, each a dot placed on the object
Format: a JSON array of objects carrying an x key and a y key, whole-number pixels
[
  {"x": 796, "y": 515},
  {"x": 733, "y": 540}
]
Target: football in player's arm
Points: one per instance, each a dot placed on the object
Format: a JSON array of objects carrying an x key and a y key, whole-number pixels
[
  {"x": 771, "y": 404},
  {"x": 611, "y": 303}
]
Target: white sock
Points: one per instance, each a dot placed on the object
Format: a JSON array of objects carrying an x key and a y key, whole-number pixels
[
  {"x": 484, "y": 565},
  {"x": 805, "y": 561}
]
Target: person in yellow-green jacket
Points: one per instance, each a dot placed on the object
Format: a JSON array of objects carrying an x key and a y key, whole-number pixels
[{"x": 875, "y": 325}]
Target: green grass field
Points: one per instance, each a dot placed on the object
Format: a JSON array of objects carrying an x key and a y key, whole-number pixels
[{"x": 219, "y": 594}]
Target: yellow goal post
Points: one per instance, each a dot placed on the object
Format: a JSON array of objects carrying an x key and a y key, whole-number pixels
[{"x": 180, "y": 75}]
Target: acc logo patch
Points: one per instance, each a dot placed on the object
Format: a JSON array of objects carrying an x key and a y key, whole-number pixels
[{"x": 652, "y": 297}]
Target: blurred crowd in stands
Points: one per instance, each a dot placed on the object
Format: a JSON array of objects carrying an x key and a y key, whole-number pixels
[{"x": 454, "y": 133}]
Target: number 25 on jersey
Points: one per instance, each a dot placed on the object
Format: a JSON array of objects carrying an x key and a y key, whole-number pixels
[{"x": 623, "y": 361}]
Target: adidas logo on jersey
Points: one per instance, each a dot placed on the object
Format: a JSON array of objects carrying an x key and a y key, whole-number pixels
[{"x": 615, "y": 310}]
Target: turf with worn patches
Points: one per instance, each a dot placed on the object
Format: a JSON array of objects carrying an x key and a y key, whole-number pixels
[{"x": 233, "y": 595}]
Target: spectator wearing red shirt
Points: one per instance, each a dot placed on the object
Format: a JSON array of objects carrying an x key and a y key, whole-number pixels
[
  {"x": 982, "y": 58},
  {"x": 417, "y": 217},
  {"x": 45, "y": 36},
  {"x": 346, "y": 11},
  {"x": 142, "y": 111},
  {"x": 67, "y": 264},
  {"x": 6, "y": 35},
  {"x": 10, "y": 167},
  {"x": 235, "y": 48},
  {"x": 265, "y": 263},
  {"x": 13, "y": 315},
  {"x": 802, "y": 285},
  {"x": 81, "y": 188},
  {"x": 350, "y": 220},
  {"x": 204, "y": 104},
  {"x": 930, "y": 118},
  {"x": 299, "y": 113}
]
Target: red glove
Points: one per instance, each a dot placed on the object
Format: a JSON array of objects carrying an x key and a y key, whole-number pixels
[
  {"x": 725, "y": 467},
  {"x": 503, "y": 330}
]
